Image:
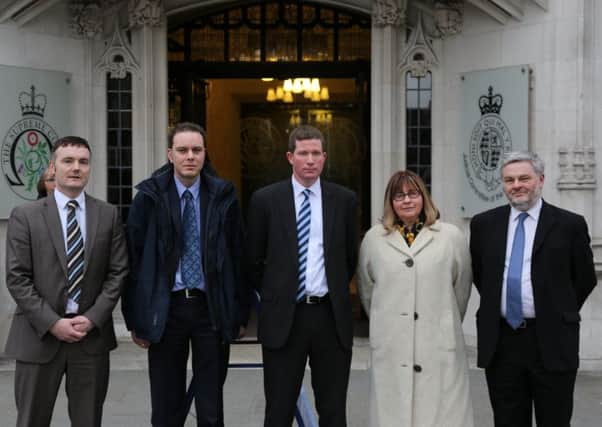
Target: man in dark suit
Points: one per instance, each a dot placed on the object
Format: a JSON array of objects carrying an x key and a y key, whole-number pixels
[
  {"x": 302, "y": 253},
  {"x": 65, "y": 264},
  {"x": 185, "y": 291},
  {"x": 533, "y": 267}
]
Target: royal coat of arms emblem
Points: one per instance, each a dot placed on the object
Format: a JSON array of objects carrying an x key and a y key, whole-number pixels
[{"x": 27, "y": 145}]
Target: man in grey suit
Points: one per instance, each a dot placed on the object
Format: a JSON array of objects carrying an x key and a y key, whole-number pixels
[{"x": 66, "y": 260}]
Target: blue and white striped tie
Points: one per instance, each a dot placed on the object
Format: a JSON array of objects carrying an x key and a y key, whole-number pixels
[
  {"x": 75, "y": 253},
  {"x": 303, "y": 223}
]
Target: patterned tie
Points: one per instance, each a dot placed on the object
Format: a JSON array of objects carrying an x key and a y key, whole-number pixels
[
  {"x": 191, "y": 257},
  {"x": 514, "y": 304},
  {"x": 303, "y": 223},
  {"x": 75, "y": 253}
]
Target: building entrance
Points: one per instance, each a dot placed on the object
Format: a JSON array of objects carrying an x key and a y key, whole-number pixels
[{"x": 240, "y": 72}]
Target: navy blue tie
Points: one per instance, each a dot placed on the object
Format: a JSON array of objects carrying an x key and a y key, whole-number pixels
[
  {"x": 514, "y": 302},
  {"x": 191, "y": 256},
  {"x": 303, "y": 225}
]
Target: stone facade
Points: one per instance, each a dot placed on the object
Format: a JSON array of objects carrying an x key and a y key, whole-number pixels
[{"x": 559, "y": 45}]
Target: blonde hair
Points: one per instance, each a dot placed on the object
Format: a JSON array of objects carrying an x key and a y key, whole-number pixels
[{"x": 395, "y": 185}]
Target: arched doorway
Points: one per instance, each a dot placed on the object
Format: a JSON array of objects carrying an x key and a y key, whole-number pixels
[{"x": 217, "y": 60}]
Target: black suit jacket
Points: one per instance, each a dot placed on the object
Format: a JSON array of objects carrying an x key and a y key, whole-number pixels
[
  {"x": 272, "y": 257},
  {"x": 562, "y": 276}
]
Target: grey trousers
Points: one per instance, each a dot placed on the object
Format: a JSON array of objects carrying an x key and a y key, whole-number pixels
[{"x": 86, "y": 384}]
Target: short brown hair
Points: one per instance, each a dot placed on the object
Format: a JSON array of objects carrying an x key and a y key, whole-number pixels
[
  {"x": 304, "y": 132},
  {"x": 186, "y": 127},
  {"x": 395, "y": 185},
  {"x": 70, "y": 140}
]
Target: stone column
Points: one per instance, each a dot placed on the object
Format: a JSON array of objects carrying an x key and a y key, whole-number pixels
[
  {"x": 388, "y": 119},
  {"x": 149, "y": 42},
  {"x": 577, "y": 182}
]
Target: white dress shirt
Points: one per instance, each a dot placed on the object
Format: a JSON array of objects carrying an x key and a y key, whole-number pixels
[
  {"x": 315, "y": 282},
  {"x": 80, "y": 216},
  {"x": 530, "y": 225}
]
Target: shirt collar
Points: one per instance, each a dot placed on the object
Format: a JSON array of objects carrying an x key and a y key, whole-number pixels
[
  {"x": 533, "y": 211},
  {"x": 315, "y": 188},
  {"x": 62, "y": 199},
  {"x": 194, "y": 188}
]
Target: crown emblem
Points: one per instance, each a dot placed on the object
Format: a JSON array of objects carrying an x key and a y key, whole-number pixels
[
  {"x": 31, "y": 103},
  {"x": 491, "y": 103}
]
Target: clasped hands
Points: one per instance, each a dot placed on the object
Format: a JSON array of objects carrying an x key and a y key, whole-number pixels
[{"x": 72, "y": 330}]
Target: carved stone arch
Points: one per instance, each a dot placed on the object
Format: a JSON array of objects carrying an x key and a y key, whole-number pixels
[
  {"x": 418, "y": 57},
  {"x": 118, "y": 59}
]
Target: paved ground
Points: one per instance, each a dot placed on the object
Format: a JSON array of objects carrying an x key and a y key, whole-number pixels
[{"x": 128, "y": 403}]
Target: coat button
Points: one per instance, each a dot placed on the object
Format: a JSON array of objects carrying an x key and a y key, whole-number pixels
[
  {"x": 415, "y": 316},
  {"x": 417, "y": 368},
  {"x": 409, "y": 262}
]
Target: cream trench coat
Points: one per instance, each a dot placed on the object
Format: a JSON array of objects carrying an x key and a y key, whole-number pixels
[{"x": 416, "y": 298}]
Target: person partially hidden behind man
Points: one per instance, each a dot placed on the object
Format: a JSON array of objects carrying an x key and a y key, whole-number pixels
[
  {"x": 66, "y": 261},
  {"x": 533, "y": 266}
]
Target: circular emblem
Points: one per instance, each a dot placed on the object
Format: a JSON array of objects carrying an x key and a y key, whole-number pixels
[
  {"x": 25, "y": 155},
  {"x": 489, "y": 140}
]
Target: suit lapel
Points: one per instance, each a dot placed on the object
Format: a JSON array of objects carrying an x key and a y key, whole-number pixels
[
  {"x": 173, "y": 204},
  {"x": 204, "y": 198},
  {"x": 286, "y": 206},
  {"x": 53, "y": 222},
  {"x": 498, "y": 235},
  {"x": 91, "y": 228},
  {"x": 544, "y": 225},
  {"x": 423, "y": 238},
  {"x": 329, "y": 207},
  {"x": 395, "y": 240}
]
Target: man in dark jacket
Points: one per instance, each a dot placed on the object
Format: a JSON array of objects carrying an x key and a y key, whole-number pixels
[{"x": 184, "y": 236}]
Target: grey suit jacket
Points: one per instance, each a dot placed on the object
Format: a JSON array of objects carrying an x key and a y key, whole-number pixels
[{"x": 36, "y": 277}]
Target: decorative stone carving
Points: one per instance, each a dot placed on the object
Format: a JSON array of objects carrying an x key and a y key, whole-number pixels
[
  {"x": 118, "y": 58},
  {"x": 448, "y": 17},
  {"x": 86, "y": 20},
  {"x": 418, "y": 56},
  {"x": 145, "y": 13},
  {"x": 390, "y": 12},
  {"x": 577, "y": 168}
]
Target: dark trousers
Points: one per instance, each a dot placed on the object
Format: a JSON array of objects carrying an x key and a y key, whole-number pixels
[
  {"x": 188, "y": 327},
  {"x": 86, "y": 384},
  {"x": 517, "y": 382},
  {"x": 312, "y": 335}
]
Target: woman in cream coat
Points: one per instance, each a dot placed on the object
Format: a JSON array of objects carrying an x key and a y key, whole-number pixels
[{"x": 415, "y": 281}]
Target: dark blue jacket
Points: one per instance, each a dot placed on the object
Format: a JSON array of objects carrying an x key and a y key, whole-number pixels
[{"x": 154, "y": 245}]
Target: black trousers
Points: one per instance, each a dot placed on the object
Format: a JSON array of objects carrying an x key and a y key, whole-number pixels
[
  {"x": 313, "y": 335},
  {"x": 188, "y": 327},
  {"x": 517, "y": 382}
]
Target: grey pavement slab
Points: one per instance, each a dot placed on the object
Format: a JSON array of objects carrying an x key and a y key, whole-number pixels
[{"x": 128, "y": 402}]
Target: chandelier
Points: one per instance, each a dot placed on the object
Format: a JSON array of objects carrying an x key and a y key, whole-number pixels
[{"x": 309, "y": 87}]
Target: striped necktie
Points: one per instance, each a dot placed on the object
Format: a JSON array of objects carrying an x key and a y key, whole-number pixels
[
  {"x": 303, "y": 225},
  {"x": 75, "y": 253}
]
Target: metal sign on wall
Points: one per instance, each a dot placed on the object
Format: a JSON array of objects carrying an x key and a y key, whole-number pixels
[
  {"x": 494, "y": 120},
  {"x": 35, "y": 107}
]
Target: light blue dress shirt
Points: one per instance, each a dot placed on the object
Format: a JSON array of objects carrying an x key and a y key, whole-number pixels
[{"x": 195, "y": 189}]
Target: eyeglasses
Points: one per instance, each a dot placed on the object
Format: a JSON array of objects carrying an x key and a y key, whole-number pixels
[{"x": 401, "y": 196}]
